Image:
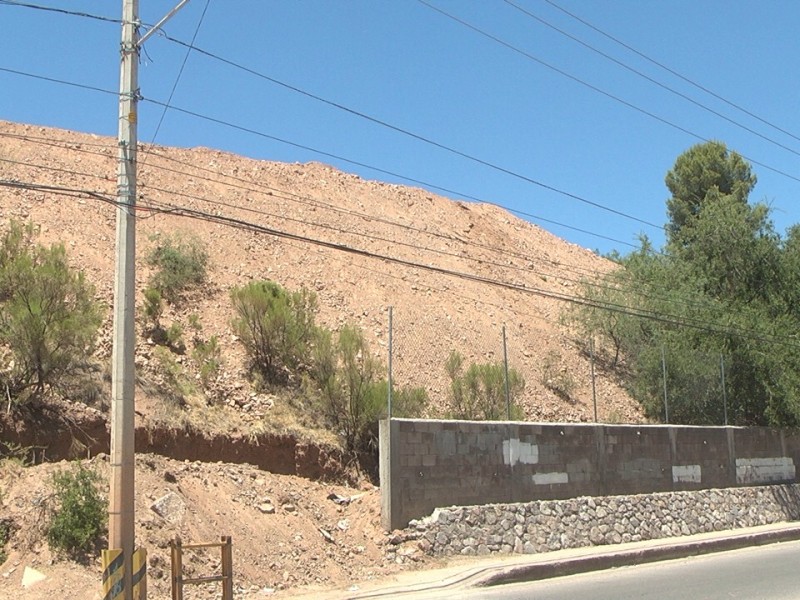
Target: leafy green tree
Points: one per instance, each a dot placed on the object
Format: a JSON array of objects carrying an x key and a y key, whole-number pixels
[
  {"x": 479, "y": 393},
  {"x": 276, "y": 327},
  {"x": 48, "y": 315},
  {"x": 702, "y": 174},
  {"x": 725, "y": 285}
]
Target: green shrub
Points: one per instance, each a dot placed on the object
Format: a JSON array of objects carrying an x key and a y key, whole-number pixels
[
  {"x": 153, "y": 307},
  {"x": 208, "y": 358},
  {"x": 480, "y": 392},
  {"x": 180, "y": 263},
  {"x": 79, "y": 517},
  {"x": 176, "y": 386},
  {"x": 5, "y": 536},
  {"x": 194, "y": 322},
  {"x": 276, "y": 327},
  {"x": 354, "y": 395},
  {"x": 48, "y": 315},
  {"x": 555, "y": 377},
  {"x": 175, "y": 338}
]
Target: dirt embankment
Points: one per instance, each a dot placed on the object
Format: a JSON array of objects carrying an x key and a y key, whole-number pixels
[{"x": 51, "y": 436}]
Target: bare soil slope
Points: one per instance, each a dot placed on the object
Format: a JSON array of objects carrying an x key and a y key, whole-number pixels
[
  {"x": 416, "y": 252},
  {"x": 287, "y": 534},
  {"x": 423, "y": 255}
]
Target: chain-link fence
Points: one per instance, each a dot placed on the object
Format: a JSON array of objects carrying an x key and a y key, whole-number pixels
[{"x": 469, "y": 373}]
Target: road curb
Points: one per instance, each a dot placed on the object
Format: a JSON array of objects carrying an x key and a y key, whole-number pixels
[{"x": 620, "y": 558}]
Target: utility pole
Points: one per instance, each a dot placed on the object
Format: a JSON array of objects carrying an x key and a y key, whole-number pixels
[
  {"x": 121, "y": 494},
  {"x": 123, "y": 377}
]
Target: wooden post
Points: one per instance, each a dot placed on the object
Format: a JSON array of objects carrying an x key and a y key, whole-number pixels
[
  {"x": 227, "y": 568},
  {"x": 177, "y": 569}
]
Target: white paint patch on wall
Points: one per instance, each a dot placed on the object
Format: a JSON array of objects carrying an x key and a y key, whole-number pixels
[
  {"x": 548, "y": 478},
  {"x": 515, "y": 452},
  {"x": 687, "y": 474},
  {"x": 764, "y": 470}
]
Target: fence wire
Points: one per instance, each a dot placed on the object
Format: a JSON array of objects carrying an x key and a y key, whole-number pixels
[{"x": 417, "y": 360}]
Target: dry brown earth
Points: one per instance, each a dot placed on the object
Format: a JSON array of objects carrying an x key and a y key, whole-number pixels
[{"x": 406, "y": 237}]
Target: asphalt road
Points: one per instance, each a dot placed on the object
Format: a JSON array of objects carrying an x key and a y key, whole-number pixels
[{"x": 761, "y": 573}]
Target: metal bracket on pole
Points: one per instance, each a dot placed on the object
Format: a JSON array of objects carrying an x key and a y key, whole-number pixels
[{"x": 158, "y": 25}]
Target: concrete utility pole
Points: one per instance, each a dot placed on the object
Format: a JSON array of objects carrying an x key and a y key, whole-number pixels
[{"x": 121, "y": 493}]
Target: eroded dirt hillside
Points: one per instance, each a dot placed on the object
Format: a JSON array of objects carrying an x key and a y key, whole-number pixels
[{"x": 407, "y": 240}]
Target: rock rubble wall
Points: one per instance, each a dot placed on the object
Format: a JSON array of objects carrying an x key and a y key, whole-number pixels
[{"x": 549, "y": 525}]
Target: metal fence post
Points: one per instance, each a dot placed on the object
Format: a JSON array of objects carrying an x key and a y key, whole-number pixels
[
  {"x": 594, "y": 390},
  {"x": 505, "y": 363},
  {"x": 664, "y": 373},
  {"x": 724, "y": 391},
  {"x": 389, "y": 393}
]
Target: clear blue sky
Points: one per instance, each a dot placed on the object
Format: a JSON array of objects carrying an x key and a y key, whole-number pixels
[{"x": 401, "y": 62}]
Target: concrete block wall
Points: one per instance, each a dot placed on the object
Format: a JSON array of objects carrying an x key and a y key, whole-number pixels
[{"x": 428, "y": 464}]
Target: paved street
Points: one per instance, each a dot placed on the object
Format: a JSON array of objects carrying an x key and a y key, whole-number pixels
[{"x": 762, "y": 573}]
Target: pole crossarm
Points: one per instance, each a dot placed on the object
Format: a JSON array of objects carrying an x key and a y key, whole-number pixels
[{"x": 160, "y": 24}]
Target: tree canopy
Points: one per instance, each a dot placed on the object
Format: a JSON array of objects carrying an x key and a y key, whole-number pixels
[{"x": 723, "y": 291}]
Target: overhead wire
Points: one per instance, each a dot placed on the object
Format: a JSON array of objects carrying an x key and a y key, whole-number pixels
[
  {"x": 650, "y": 79},
  {"x": 672, "y": 71},
  {"x": 178, "y": 78},
  {"x": 422, "y": 138},
  {"x": 302, "y": 199},
  {"x": 592, "y": 87},
  {"x": 260, "y": 187},
  {"x": 60, "y": 11},
  {"x": 322, "y": 152},
  {"x": 316, "y": 202},
  {"x": 678, "y": 301},
  {"x": 273, "y": 137},
  {"x": 177, "y": 210}
]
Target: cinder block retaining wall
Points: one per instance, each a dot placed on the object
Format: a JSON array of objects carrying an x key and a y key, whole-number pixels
[
  {"x": 547, "y": 525},
  {"x": 429, "y": 464}
]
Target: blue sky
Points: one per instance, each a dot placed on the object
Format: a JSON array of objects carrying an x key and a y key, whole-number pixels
[{"x": 407, "y": 65}]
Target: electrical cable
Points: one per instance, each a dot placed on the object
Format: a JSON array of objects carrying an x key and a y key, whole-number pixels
[
  {"x": 650, "y": 79},
  {"x": 422, "y": 138},
  {"x": 556, "y": 264},
  {"x": 681, "y": 302},
  {"x": 258, "y": 188},
  {"x": 663, "y": 318},
  {"x": 593, "y": 87},
  {"x": 673, "y": 71},
  {"x": 60, "y": 10},
  {"x": 178, "y": 78}
]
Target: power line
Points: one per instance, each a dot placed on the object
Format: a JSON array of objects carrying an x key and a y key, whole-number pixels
[
  {"x": 420, "y": 137},
  {"x": 60, "y": 10},
  {"x": 350, "y": 161},
  {"x": 686, "y": 302},
  {"x": 672, "y": 71},
  {"x": 82, "y": 86},
  {"x": 252, "y": 186},
  {"x": 178, "y": 78},
  {"x": 259, "y": 189},
  {"x": 316, "y": 202},
  {"x": 591, "y": 86},
  {"x": 650, "y": 79},
  {"x": 176, "y": 210}
]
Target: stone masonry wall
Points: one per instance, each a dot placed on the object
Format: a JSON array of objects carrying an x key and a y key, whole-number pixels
[
  {"x": 425, "y": 464},
  {"x": 548, "y": 525}
]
